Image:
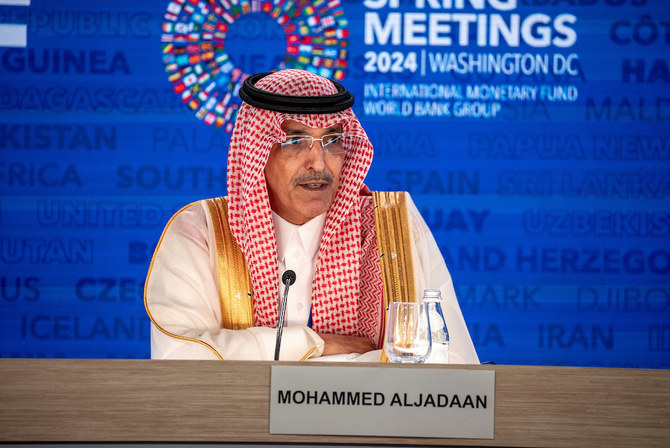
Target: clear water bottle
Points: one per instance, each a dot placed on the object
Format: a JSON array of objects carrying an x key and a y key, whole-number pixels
[{"x": 438, "y": 327}]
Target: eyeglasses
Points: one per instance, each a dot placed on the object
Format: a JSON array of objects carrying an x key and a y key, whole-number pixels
[{"x": 299, "y": 144}]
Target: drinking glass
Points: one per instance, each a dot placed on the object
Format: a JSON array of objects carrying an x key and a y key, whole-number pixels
[{"x": 407, "y": 332}]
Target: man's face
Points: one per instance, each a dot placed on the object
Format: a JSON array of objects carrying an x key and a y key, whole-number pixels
[{"x": 303, "y": 186}]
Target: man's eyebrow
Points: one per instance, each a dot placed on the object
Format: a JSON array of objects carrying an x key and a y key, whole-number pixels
[
  {"x": 295, "y": 131},
  {"x": 336, "y": 128}
]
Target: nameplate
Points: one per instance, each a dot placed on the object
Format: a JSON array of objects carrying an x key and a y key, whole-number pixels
[{"x": 382, "y": 401}]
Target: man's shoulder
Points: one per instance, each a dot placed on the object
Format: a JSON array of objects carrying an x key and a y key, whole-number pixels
[
  {"x": 203, "y": 205},
  {"x": 189, "y": 214}
]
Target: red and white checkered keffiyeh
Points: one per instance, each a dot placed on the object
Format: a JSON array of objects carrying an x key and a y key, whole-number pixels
[{"x": 347, "y": 286}]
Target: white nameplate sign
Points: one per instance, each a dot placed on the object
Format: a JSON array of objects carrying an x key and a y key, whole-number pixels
[{"x": 378, "y": 401}]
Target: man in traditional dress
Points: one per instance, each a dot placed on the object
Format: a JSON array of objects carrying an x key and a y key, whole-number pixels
[{"x": 296, "y": 200}]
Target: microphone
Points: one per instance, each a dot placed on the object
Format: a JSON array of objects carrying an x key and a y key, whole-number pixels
[{"x": 288, "y": 278}]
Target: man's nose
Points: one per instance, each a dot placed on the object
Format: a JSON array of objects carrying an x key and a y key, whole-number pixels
[{"x": 316, "y": 156}]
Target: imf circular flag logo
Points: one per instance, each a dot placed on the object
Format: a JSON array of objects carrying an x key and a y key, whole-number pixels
[{"x": 198, "y": 62}]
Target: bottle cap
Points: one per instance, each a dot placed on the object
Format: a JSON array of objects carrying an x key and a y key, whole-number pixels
[{"x": 432, "y": 295}]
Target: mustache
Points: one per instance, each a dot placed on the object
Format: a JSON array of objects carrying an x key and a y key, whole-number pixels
[{"x": 312, "y": 177}]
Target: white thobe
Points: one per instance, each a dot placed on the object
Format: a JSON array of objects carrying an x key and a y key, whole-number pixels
[
  {"x": 182, "y": 296},
  {"x": 298, "y": 250}
]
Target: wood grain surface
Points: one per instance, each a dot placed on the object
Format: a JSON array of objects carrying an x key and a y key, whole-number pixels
[{"x": 53, "y": 400}]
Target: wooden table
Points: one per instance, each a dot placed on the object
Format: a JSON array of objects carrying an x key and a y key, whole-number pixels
[{"x": 58, "y": 400}]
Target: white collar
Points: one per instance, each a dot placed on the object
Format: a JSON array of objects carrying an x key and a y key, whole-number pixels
[{"x": 307, "y": 235}]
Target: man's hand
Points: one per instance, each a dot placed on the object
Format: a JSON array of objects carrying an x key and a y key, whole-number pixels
[{"x": 335, "y": 344}]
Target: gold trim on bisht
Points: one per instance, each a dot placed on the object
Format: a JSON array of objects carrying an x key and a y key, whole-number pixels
[
  {"x": 146, "y": 288},
  {"x": 395, "y": 249},
  {"x": 235, "y": 289},
  {"x": 395, "y": 246}
]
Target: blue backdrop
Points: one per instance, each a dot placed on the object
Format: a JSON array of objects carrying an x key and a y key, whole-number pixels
[{"x": 532, "y": 134}]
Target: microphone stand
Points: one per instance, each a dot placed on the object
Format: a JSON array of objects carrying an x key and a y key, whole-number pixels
[{"x": 287, "y": 279}]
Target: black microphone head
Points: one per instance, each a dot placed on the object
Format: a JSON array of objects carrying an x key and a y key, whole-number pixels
[{"x": 288, "y": 278}]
